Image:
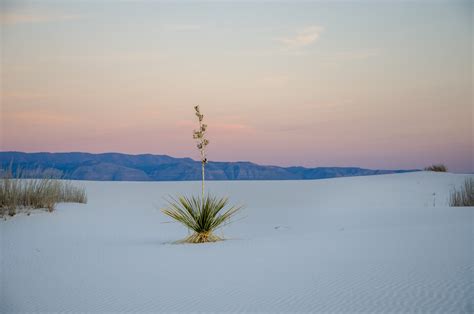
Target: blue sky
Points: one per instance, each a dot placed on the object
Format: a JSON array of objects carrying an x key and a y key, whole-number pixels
[{"x": 383, "y": 84}]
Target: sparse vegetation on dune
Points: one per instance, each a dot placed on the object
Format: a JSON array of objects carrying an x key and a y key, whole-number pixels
[
  {"x": 203, "y": 214},
  {"x": 463, "y": 196},
  {"x": 437, "y": 168},
  {"x": 18, "y": 194}
]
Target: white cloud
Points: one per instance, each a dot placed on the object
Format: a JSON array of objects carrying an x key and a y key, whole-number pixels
[
  {"x": 11, "y": 18},
  {"x": 274, "y": 81},
  {"x": 339, "y": 58},
  {"x": 357, "y": 55},
  {"x": 183, "y": 27},
  {"x": 303, "y": 38}
]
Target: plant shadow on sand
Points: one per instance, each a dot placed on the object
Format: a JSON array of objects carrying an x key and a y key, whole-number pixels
[{"x": 157, "y": 241}]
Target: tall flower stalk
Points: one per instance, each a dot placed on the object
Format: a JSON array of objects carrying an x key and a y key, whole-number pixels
[{"x": 202, "y": 142}]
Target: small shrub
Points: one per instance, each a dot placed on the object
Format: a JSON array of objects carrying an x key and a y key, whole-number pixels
[
  {"x": 464, "y": 196},
  {"x": 437, "y": 168},
  {"x": 44, "y": 193}
]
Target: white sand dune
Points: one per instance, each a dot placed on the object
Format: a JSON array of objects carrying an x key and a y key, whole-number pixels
[{"x": 363, "y": 244}]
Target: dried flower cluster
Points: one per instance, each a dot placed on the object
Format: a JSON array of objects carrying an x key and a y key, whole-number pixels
[
  {"x": 202, "y": 142},
  {"x": 200, "y": 135}
]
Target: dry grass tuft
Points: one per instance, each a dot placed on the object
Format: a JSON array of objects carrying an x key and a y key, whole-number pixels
[
  {"x": 464, "y": 196},
  {"x": 437, "y": 168},
  {"x": 17, "y": 194}
]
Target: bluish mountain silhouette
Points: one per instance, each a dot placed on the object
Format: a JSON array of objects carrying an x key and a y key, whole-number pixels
[{"x": 147, "y": 167}]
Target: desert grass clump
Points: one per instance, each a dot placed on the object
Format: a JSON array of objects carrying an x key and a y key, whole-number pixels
[
  {"x": 201, "y": 214},
  {"x": 437, "y": 168},
  {"x": 20, "y": 194},
  {"x": 463, "y": 196}
]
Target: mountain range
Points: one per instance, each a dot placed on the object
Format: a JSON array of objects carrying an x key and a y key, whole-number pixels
[{"x": 148, "y": 167}]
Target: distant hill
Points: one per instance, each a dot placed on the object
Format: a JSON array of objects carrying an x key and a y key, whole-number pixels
[{"x": 147, "y": 167}]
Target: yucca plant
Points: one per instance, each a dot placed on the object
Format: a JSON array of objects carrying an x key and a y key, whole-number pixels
[{"x": 202, "y": 214}]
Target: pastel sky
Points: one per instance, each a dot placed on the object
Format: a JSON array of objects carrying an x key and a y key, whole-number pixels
[{"x": 384, "y": 84}]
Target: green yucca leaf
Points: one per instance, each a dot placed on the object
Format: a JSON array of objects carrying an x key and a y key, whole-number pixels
[{"x": 203, "y": 216}]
